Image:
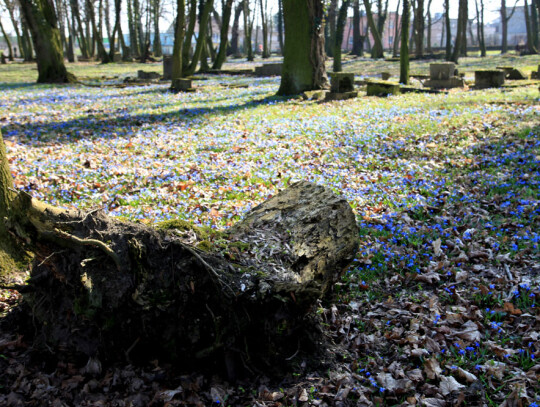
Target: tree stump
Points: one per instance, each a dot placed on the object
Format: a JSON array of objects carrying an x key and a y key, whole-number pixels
[{"x": 111, "y": 289}]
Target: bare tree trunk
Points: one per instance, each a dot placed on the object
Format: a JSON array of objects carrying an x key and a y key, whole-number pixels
[
  {"x": 201, "y": 39},
  {"x": 505, "y": 17},
  {"x": 535, "y": 12},
  {"x": 224, "y": 35},
  {"x": 304, "y": 58},
  {"x": 419, "y": 28},
  {"x": 404, "y": 53},
  {"x": 189, "y": 34},
  {"x": 397, "y": 31},
  {"x": 280, "y": 25},
  {"x": 330, "y": 27},
  {"x": 102, "y": 53},
  {"x": 233, "y": 49},
  {"x": 8, "y": 43},
  {"x": 448, "y": 30},
  {"x": 461, "y": 31},
  {"x": 264, "y": 24},
  {"x": 83, "y": 39},
  {"x": 157, "y": 37},
  {"x": 41, "y": 19},
  {"x": 528, "y": 23},
  {"x": 429, "y": 22},
  {"x": 340, "y": 27},
  {"x": 357, "y": 46},
  {"x": 248, "y": 27},
  {"x": 377, "y": 50},
  {"x": 480, "y": 28},
  {"x": 179, "y": 33}
]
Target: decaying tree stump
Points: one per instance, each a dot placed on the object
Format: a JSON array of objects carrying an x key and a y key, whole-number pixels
[{"x": 112, "y": 289}]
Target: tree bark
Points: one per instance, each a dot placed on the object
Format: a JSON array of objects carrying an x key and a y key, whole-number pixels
[
  {"x": 233, "y": 49},
  {"x": 189, "y": 33},
  {"x": 448, "y": 26},
  {"x": 340, "y": 28},
  {"x": 191, "y": 296},
  {"x": 461, "y": 31},
  {"x": 8, "y": 42},
  {"x": 404, "y": 53},
  {"x": 377, "y": 49},
  {"x": 330, "y": 27},
  {"x": 535, "y": 9},
  {"x": 357, "y": 45},
  {"x": 102, "y": 53},
  {"x": 280, "y": 26},
  {"x": 304, "y": 59},
  {"x": 224, "y": 35},
  {"x": 419, "y": 28},
  {"x": 480, "y": 28},
  {"x": 83, "y": 39},
  {"x": 41, "y": 19},
  {"x": 179, "y": 32},
  {"x": 397, "y": 31},
  {"x": 248, "y": 27},
  {"x": 264, "y": 22},
  {"x": 201, "y": 39}
]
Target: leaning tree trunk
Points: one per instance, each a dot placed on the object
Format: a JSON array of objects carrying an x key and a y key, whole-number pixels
[
  {"x": 41, "y": 19},
  {"x": 303, "y": 59},
  {"x": 179, "y": 32},
  {"x": 224, "y": 35},
  {"x": 114, "y": 290},
  {"x": 201, "y": 39},
  {"x": 377, "y": 51}
]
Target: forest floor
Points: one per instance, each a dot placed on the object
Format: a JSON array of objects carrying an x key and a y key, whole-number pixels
[{"x": 440, "y": 306}]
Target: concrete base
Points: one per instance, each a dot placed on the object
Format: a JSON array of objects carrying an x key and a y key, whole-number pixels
[
  {"x": 382, "y": 88},
  {"x": 182, "y": 85},
  {"x": 314, "y": 94},
  {"x": 330, "y": 96},
  {"x": 269, "y": 69},
  {"x": 442, "y": 70},
  {"x": 117, "y": 57},
  {"x": 488, "y": 79},
  {"x": 341, "y": 82},
  {"x": 453, "y": 82},
  {"x": 148, "y": 75}
]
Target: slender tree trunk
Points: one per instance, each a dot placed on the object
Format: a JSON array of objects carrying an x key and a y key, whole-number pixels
[
  {"x": 357, "y": 45},
  {"x": 377, "y": 50},
  {"x": 248, "y": 46},
  {"x": 331, "y": 28},
  {"x": 504, "y": 28},
  {"x": 535, "y": 11},
  {"x": 61, "y": 27},
  {"x": 179, "y": 32},
  {"x": 419, "y": 29},
  {"x": 464, "y": 10},
  {"x": 8, "y": 43},
  {"x": 480, "y": 28},
  {"x": 70, "y": 53},
  {"x": 27, "y": 43},
  {"x": 303, "y": 59},
  {"x": 461, "y": 31},
  {"x": 340, "y": 27},
  {"x": 102, "y": 53},
  {"x": 201, "y": 39},
  {"x": 382, "y": 16},
  {"x": 404, "y": 52},
  {"x": 233, "y": 49},
  {"x": 157, "y": 37},
  {"x": 224, "y": 35},
  {"x": 528, "y": 24},
  {"x": 41, "y": 18},
  {"x": 397, "y": 31},
  {"x": 448, "y": 30},
  {"x": 280, "y": 26},
  {"x": 429, "y": 25},
  {"x": 83, "y": 40},
  {"x": 189, "y": 34},
  {"x": 264, "y": 24},
  {"x": 116, "y": 27},
  {"x": 133, "y": 31}
]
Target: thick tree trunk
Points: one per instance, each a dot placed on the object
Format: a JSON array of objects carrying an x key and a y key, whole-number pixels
[
  {"x": 264, "y": 22},
  {"x": 397, "y": 31},
  {"x": 41, "y": 19},
  {"x": 377, "y": 50},
  {"x": 115, "y": 290},
  {"x": 404, "y": 53},
  {"x": 357, "y": 45},
  {"x": 224, "y": 35},
  {"x": 535, "y": 6},
  {"x": 340, "y": 28},
  {"x": 504, "y": 28},
  {"x": 248, "y": 28},
  {"x": 429, "y": 26},
  {"x": 157, "y": 37},
  {"x": 280, "y": 26},
  {"x": 304, "y": 59},
  {"x": 461, "y": 31},
  {"x": 189, "y": 34}
]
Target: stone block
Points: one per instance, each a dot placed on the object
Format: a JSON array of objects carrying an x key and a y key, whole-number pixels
[
  {"x": 167, "y": 67},
  {"x": 117, "y": 57},
  {"x": 329, "y": 96},
  {"x": 273, "y": 69},
  {"x": 341, "y": 82},
  {"x": 314, "y": 94},
  {"x": 385, "y": 76},
  {"x": 452, "y": 82},
  {"x": 442, "y": 70},
  {"x": 488, "y": 78},
  {"x": 147, "y": 75},
  {"x": 182, "y": 85},
  {"x": 516, "y": 75},
  {"x": 382, "y": 88}
]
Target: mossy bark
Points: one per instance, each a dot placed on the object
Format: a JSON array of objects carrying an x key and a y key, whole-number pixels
[
  {"x": 304, "y": 59},
  {"x": 377, "y": 51},
  {"x": 198, "y": 297},
  {"x": 41, "y": 19},
  {"x": 201, "y": 39}
]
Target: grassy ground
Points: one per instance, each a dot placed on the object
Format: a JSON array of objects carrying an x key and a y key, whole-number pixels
[{"x": 441, "y": 301}]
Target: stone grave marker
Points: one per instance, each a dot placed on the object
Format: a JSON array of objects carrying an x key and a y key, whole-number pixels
[
  {"x": 488, "y": 78},
  {"x": 444, "y": 75},
  {"x": 167, "y": 67},
  {"x": 273, "y": 69}
]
